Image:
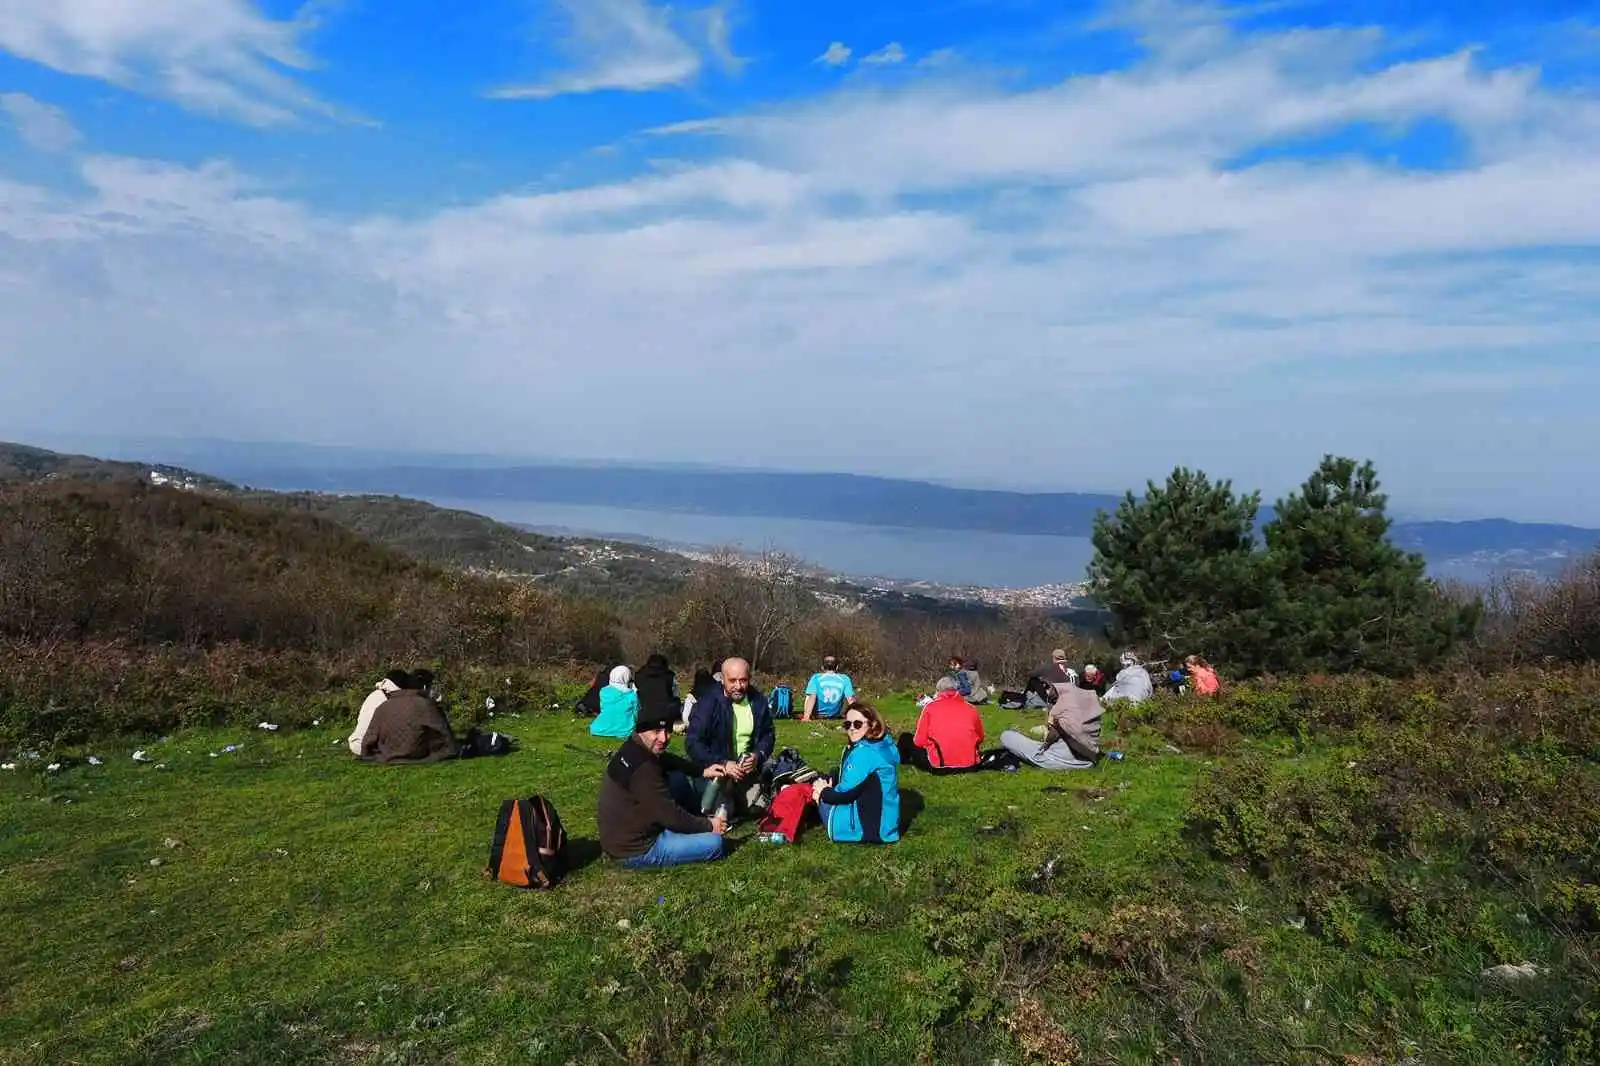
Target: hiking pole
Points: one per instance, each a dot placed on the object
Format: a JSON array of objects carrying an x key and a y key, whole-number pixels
[{"x": 586, "y": 751}]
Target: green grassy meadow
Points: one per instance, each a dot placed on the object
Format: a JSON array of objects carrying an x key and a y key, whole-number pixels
[{"x": 283, "y": 903}]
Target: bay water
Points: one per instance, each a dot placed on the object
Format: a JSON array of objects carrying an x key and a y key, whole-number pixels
[{"x": 947, "y": 557}]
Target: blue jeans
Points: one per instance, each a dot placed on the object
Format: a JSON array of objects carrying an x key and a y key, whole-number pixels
[{"x": 676, "y": 849}]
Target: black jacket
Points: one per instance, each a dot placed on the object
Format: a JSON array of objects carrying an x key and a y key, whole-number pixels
[
  {"x": 655, "y": 684},
  {"x": 710, "y": 736}
]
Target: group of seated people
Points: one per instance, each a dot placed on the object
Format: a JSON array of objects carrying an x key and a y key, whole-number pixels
[
  {"x": 616, "y": 694},
  {"x": 659, "y": 809},
  {"x": 402, "y": 721},
  {"x": 950, "y": 733}
]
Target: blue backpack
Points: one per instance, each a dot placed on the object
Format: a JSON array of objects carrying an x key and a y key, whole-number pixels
[{"x": 781, "y": 702}]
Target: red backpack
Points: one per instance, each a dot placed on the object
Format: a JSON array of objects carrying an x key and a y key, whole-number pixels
[{"x": 530, "y": 846}]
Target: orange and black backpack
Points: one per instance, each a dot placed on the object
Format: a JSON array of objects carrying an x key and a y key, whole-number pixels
[{"x": 530, "y": 846}]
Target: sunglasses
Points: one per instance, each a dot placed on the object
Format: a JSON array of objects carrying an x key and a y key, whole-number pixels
[{"x": 855, "y": 723}]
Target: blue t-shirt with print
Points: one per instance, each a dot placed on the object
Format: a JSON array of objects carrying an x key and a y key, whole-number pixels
[{"x": 831, "y": 690}]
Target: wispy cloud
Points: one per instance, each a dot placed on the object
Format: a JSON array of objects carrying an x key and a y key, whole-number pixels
[
  {"x": 221, "y": 57},
  {"x": 888, "y": 55},
  {"x": 629, "y": 46},
  {"x": 44, "y": 127},
  {"x": 837, "y": 55},
  {"x": 719, "y": 38}
]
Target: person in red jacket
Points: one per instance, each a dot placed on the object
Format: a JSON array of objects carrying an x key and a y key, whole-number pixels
[{"x": 948, "y": 733}]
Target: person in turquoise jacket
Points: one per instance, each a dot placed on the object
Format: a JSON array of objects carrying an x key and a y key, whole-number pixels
[
  {"x": 619, "y": 707},
  {"x": 863, "y": 806}
]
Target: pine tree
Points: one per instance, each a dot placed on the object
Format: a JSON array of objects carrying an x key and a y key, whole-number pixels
[
  {"x": 1351, "y": 599},
  {"x": 1180, "y": 573}
]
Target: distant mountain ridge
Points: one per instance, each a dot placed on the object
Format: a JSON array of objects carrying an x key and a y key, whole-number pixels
[
  {"x": 1469, "y": 546},
  {"x": 854, "y": 498},
  {"x": 1469, "y": 549}
]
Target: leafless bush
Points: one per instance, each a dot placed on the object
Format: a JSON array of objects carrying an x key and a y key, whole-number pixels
[
  {"x": 735, "y": 605},
  {"x": 1529, "y": 620}
]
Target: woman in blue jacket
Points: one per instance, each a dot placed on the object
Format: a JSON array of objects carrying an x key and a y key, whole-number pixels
[
  {"x": 863, "y": 806},
  {"x": 619, "y": 707}
]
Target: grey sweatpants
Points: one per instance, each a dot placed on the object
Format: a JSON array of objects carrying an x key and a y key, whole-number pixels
[{"x": 1057, "y": 757}]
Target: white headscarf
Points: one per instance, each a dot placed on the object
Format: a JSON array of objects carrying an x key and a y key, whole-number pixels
[{"x": 621, "y": 677}]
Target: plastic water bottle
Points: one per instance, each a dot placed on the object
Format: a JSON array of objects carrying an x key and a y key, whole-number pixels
[
  {"x": 1114, "y": 755},
  {"x": 772, "y": 838}
]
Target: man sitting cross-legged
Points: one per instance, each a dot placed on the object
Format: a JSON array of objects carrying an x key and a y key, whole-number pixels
[
  {"x": 730, "y": 726},
  {"x": 1072, "y": 731},
  {"x": 645, "y": 814}
]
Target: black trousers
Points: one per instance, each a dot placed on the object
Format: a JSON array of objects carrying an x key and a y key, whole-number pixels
[{"x": 911, "y": 755}]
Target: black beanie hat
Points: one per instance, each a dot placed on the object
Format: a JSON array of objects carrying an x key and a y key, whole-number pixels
[{"x": 658, "y": 718}]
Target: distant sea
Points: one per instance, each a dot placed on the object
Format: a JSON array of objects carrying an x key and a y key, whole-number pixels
[{"x": 947, "y": 557}]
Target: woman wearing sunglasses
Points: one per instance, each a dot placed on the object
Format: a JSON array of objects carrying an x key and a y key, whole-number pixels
[{"x": 863, "y": 805}]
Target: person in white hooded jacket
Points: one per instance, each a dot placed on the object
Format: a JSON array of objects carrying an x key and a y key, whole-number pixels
[
  {"x": 1133, "y": 681},
  {"x": 392, "y": 682}
]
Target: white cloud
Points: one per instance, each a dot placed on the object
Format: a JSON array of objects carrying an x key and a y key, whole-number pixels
[
  {"x": 44, "y": 127},
  {"x": 888, "y": 55},
  {"x": 220, "y": 57},
  {"x": 629, "y": 46},
  {"x": 719, "y": 39},
  {"x": 1091, "y": 249},
  {"x": 837, "y": 55}
]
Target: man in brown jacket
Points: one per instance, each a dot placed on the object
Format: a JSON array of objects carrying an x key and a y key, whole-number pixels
[
  {"x": 408, "y": 727},
  {"x": 647, "y": 808}
]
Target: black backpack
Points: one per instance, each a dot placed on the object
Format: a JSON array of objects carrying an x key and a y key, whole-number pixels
[
  {"x": 529, "y": 848},
  {"x": 478, "y": 743}
]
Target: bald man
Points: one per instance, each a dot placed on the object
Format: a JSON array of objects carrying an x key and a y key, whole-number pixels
[{"x": 731, "y": 727}]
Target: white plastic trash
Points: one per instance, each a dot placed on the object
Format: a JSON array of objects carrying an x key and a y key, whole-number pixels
[
  {"x": 140, "y": 756},
  {"x": 268, "y": 727}
]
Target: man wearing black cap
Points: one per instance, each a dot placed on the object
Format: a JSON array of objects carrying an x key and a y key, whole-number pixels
[{"x": 644, "y": 814}]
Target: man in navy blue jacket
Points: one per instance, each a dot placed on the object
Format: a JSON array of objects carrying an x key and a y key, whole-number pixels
[{"x": 731, "y": 727}]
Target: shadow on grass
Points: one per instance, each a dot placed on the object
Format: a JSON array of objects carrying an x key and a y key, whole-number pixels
[
  {"x": 911, "y": 805},
  {"x": 582, "y": 853}
]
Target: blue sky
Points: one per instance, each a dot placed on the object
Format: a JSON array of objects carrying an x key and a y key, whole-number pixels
[{"x": 993, "y": 241}]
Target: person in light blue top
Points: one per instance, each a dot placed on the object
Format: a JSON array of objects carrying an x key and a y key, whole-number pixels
[
  {"x": 863, "y": 805},
  {"x": 619, "y": 707},
  {"x": 828, "y": 692}
]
